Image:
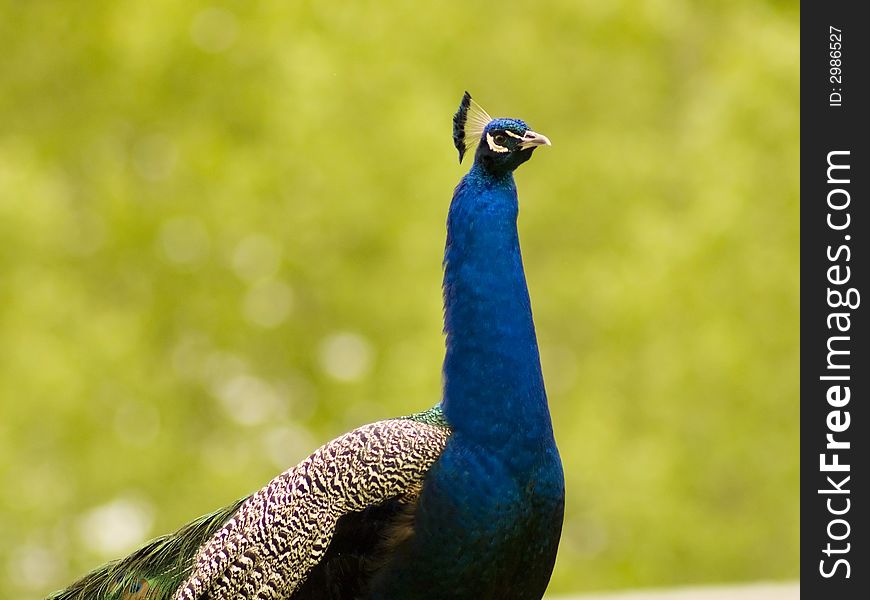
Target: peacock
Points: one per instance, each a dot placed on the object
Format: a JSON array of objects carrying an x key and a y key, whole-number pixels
[{"x": 462, "y": 501}]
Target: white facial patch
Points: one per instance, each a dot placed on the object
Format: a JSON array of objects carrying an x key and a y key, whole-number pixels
[
  {"x": 512, "y": 134},
  {"x": 493, "y": 146}
]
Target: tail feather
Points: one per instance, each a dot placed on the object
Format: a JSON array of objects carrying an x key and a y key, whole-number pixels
[{"x": 154, "y": 571}]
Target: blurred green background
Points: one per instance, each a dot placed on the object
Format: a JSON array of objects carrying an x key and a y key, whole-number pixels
[{"x": 221, "y": 228}]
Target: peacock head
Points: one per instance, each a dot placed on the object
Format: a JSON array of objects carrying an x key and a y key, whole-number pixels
[{"x": 502, "y": 144}]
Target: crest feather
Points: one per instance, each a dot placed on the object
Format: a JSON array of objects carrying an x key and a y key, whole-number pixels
[{"x": 468, "y": 124}]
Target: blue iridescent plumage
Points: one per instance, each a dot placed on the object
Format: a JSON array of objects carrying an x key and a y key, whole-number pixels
[
  {"x": 464, "y": 501},
  {"x": 490, "y": 515}
]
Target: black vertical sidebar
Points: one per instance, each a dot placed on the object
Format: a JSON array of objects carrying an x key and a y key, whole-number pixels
[{"x": 835, "y": 367}]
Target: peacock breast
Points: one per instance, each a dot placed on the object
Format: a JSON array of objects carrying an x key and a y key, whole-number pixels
[{"x": 483, "y": 529}]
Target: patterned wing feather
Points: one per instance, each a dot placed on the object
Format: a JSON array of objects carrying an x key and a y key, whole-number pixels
[{"x": 267, "y": 548}]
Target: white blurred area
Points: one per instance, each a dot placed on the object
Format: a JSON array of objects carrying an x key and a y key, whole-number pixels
[
  {"x": 756, "y": 591},
  {"x": 346, "y": 356},
  {"x": 117, "y": 526}
]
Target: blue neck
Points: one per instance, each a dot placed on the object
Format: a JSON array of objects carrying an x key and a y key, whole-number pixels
[{"x": 493, "y": 386}]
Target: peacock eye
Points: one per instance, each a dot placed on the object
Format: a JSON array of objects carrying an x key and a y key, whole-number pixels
[{"x": 499, "y": 139}]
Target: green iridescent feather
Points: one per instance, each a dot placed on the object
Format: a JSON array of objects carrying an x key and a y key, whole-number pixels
[
  {"x": 154, "y": 571},
  {"x": 434, "y": 416}
]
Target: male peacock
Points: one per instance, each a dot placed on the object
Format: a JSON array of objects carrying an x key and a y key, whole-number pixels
[{"x": 462, "y": 501}]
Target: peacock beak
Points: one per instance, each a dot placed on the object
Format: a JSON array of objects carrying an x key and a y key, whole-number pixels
[{"x": 532, "y": 139}]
